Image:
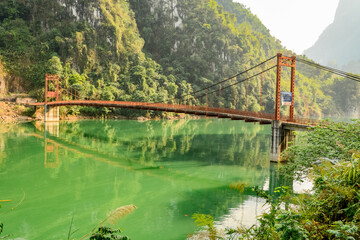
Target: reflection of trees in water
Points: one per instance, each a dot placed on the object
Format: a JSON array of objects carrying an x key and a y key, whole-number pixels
[
  {"x": 154, "y": 141},
  {"x": 164, "y": 140},
  {"x": 108, "y": 137},
  {"x": 159, "y": 143},
  {"x": 208, "y": 142},
  {"x": 11, "y": 135},
  {"x": 215, "y": 145},
  {"x": 214, "y": 201}
]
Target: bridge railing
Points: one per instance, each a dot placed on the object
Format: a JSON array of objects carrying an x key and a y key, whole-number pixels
[{"x": 69, "y": 93}]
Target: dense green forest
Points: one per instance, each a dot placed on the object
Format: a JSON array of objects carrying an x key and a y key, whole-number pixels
[{"x": 144, "y": 50}]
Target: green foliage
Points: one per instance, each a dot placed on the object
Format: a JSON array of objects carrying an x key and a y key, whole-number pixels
[
  {"x": 343, "y": 231},
  {"x": 328, "y": 141},
  {"x": 277, "y": 223},
  {"x": 106, "y": 233},
  {"x": 29, "y": 111},
  {"x": 206, "y": 221}
]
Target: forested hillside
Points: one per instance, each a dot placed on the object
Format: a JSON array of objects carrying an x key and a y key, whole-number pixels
[
  {"x": 205, "y": 41},
  {"x": 93, "y": 45},
  {"x": 151, "y": 50},
  {"x": 201, "y": 43}
]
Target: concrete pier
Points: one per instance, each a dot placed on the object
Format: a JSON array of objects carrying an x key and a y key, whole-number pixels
[
  {"x": 51, "y": 114},
  {"x": 52, "y": 128},
  {"x": 281, "y": 136}
]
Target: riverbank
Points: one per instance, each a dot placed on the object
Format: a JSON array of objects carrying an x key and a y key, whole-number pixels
[{"x": 11, "y": 112}]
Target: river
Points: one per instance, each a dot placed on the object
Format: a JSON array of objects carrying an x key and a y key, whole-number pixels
[{"x": 81, "y": 171}]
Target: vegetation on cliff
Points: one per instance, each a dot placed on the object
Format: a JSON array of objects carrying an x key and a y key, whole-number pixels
[{"x": 94, "y": 46}]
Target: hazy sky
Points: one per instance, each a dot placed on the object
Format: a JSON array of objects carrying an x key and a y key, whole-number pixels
[{"x": 296, "y": 23}]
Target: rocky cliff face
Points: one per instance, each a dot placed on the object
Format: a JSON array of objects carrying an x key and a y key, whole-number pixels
[
  {"x": 83, "y": 10},
  {"x": 339, "y": 44},
  {"x": 10, "y": 83}
]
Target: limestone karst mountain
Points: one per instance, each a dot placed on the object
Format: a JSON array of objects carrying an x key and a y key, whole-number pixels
[{"x": 339, "y": 44}]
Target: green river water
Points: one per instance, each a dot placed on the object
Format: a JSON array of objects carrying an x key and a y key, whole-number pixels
[{"x": 168, "y": 169}]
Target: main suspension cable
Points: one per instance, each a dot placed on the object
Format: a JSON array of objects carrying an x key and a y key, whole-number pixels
[
  {"x": 242, "y": 80},
  {"x": 331, "y": 70},
  {"x": 229, "y": 78}
]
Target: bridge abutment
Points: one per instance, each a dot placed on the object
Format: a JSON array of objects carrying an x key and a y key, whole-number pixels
[
  {"x": 280, "y": 139},
  {"x": 51, "y": 114}
]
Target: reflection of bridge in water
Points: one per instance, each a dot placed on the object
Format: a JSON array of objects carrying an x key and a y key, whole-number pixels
[
  {"x": 54, "y": 146},
  {"x": 86, "y": 173},
  {"x": 178, "y": 190}
]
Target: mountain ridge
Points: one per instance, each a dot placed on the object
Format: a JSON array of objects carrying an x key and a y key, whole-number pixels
[{"x": 338, "y": 44}]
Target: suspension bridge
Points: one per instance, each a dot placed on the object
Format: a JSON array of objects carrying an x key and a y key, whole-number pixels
[{"x": 206, "y": 104}]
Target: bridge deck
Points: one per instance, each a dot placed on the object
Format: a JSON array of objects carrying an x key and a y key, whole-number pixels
[{"x": 234, "y": 114}]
